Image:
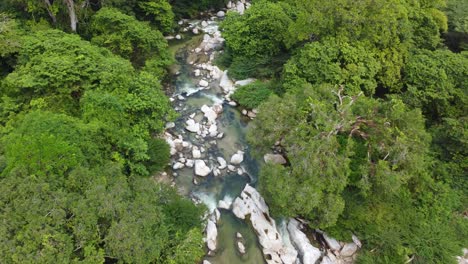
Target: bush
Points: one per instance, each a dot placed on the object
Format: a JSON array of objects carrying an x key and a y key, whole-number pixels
[
  {"x": 158, "y": 152},
  {"x": 252, "y": 95}
]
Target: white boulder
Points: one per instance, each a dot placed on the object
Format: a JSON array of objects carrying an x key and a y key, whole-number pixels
[
  {"x": 209, "y": 113},
  {"x": 348, "y": 249},
  {"x": 331, "y": 242},
  {"x": 244, "y": 82},
  {"x": 222, "y": 163},
  {"x": 220, "y": 14},
  {"x": 226, "y": 83},
  {"x": 309, "y": 253},
  {"x": 192, "y": 126},
  {"x": 250, "y": 203},
  {"x": 201, "y": 169},
  {"x": 241, "y": 247},
  {"x": 211, "y": 235},
  {"x": 196, "y": 154},
  {"x": 237, "y": 158},
  {"x": 178, "y": 165},
  {"x": 203, "y": 83}
]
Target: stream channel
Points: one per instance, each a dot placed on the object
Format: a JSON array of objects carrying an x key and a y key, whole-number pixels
[{"x": 188, "y": 99}]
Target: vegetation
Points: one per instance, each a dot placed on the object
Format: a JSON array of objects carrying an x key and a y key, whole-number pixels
[
  {"x": 252, "y": 95},
  {"x": 80, "y": 125},
  {"x": 370, "y": 113}
]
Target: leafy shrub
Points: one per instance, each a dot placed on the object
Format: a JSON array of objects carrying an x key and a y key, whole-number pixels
[{"x": 252, "y": 95}]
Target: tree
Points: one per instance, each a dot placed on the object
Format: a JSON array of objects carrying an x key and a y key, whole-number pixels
[
  {"x": 335, "y": 62},
  {"x": 128, "y": 37}
]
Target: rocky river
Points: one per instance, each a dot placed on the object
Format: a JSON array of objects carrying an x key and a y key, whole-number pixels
[{"x": 211, "y": 161}]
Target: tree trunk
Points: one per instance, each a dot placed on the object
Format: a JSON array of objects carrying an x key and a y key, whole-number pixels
[
  {"x": 49, "y": 10},
  {"x": 71, "y": 12}
]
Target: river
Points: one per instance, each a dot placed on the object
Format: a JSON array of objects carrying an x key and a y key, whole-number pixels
[{"x": 188, "y": 100}]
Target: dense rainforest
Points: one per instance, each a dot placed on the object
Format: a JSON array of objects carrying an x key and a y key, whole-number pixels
[{"x": 366, "y": 99}]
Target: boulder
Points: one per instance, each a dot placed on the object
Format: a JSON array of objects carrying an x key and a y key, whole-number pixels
[
  {"x": 222, "y": 163},
  {"x": 274, "y": 158},
  {"x": 209, "y": 113},
  {"x": 250, "y": 203},
  {"x": 201, "y": 169},
  {"x": 213, "y": 130},
  {"x": 331, "y": 242},
  {"x": 237, "y": 158},
  {"x": 356, "y": 241},
  {"x": 309, "y": 253},
  {"x": 195, "y": 31},
  {"x": 206, "y": 262},
  {"x": 192, "y": 126},
  {"x": 220, "y": 14},
  {"x": 178, "y": 36},
  {"x": 348, "y": 249},
  {"x": 329, "y": 259},
  {"x": 241, "y": 247},
  {"x": 244, "y": 82},
  {"x": 240, "y": 7},
  {"x": 189, "y": 163},
  {"x": 211, "y": 235},
  {"x": 203, "y": 83},
  {"x": 196, "y": 154},
  {"x": 170, "y": 125},
  {"x": 226, "y": 83},
  {"x": 204, "y": 23},
  {"x": 239, "y": 235},
  {"x": 178, "y": 165}
]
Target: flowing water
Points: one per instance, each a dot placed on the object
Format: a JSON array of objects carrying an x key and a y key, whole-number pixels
[{"x": 211, "y": 189}]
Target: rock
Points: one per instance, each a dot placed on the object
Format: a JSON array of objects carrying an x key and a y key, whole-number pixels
[
  {"x": 196, "y": 154},
  {"x": 356, "y": 241},
  {"x": 206, "y": 262},
  {"x": 244, "y": 82},
  {"x": 223, "y": 205},
  {"x": 196, "y": 72},
  {"x": 201, "y": 169},
  {"x": 178, "y": 165},
  {"x": 250, "y": 203},
  {"x": 349, "y": 249},
  {"x": 178, "y": 36},
  {"x": 309, "y": 253},
  {"x": 240, "y": 171},
  {"x": 217, "y": 108},
  {"x": 213, "y": 130},
  {"x": 195, "y": 31},
  {"x": 329, "y": 259},
  {"x": 220, "y": 135},
  {"x": 331, "y": 242},
  {"x": 198, "y": 50},
  {"x": 192, "y": 126},
  {"x": 217, "y": 214},
  {"x": 237, "y": 158},
  {"x": 170, "y": 125},
  {"x": 231, "y": 168},
  {"x": 244, "y": 112},
  {"x": 222, "y": 163},
  {"x": 241, "y": 247},
  {"x": 240, "y": 8},
  {"x": 211, "y": 235},
  {"x": 229, "y": 5},
  {"x": 251, "y": 114},
  {"x": 216, "y": 172},
  {"x": 204, "y": 23},
  {"x": 232, "y": 103},
  {"x": 274, "y": 158},
  {"x": 180, "y": 97},
  {"x": 203, "y": 83},
  {"x": 226, "y": 83},
  {"x": 189, "y": 163},
  {"x": 209, "y": 113},
  {"x": 181, "y": 22},
  {"x": 220, "y": 14},
  {"x": 238, "y": 235}
]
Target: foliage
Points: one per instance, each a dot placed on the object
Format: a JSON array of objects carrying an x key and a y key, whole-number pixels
[
  {"x": 159, "y": 12},
  {"x": 457, "y": 15},
  {"x": 356, "y": 165},
  {"x": 128, "y": 37},
  {"x": 252, "y": 95},
  {"x": 334, "y": 62}
]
